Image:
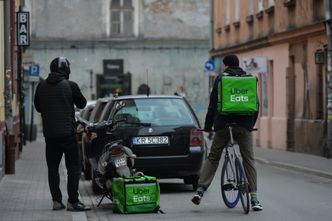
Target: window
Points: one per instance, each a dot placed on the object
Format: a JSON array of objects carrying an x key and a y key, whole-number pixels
[
  {"x": 259, "y": 14},
  {"x": 122, "y": 17},
  {"x": 271, "y": 3},
  {"x": 157, "y": 111},
  {"x": 237, "y": 10},
  {"x": 289, "y": 3},
  {"x": 270, "y": 6},
  {"x": 266, "y": 4},
  {"x": 250, "y": 7},
  {"x": 260, "y": 5},
  {"x": 228, "y": 15},
  {"x": 236, "y": 22},
  {"x": 249, "y": 18}
]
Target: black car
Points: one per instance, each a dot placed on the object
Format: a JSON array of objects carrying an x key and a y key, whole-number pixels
[{"x": 172, "y": 146}]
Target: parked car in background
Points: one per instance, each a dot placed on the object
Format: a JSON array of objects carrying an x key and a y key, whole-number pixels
[
  {"x": 172, "y": 146},
  {"x": 85, "y": 114},
  {"x": 88, "y": 104},
  {"x": 88, "y": 138}
]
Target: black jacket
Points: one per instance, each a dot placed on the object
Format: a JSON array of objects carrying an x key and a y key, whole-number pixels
[
  {"x": 218, "y": 121},
  {"x": 55, "y": 98}
]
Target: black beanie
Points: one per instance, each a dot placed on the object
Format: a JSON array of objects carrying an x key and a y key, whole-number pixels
[{"x": 231, "y": 60}]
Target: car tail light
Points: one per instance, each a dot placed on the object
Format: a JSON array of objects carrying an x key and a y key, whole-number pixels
[
  {"x": 196, "y": 137},
  {"x": 91, "y": 135},
  {"x": 116, "y": 150}
]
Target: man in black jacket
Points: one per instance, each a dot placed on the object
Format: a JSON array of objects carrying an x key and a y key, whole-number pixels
[
  {"x": 242, "y": 133},
  {"x": 55, "y": 98}
]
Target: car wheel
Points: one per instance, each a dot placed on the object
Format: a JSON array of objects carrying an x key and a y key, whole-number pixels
[
  {"x": 95, "y": 188},
  {"x": 87, "y": 170}
]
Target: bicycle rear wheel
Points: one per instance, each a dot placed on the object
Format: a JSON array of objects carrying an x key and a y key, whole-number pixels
[
  {"x": 229, "y": 191},
  {"x": 243, "y": 186}
]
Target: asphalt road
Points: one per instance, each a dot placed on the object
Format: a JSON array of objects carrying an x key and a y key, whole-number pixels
[{"x": 285, "y": 195}]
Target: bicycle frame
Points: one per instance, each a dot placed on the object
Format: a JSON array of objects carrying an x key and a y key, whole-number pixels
[
  {"x": 233, "y": 177},
  {"x": 231, "y": 154}
]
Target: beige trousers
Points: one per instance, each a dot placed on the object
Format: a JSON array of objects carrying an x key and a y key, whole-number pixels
[{"x": 244, "y": 138}]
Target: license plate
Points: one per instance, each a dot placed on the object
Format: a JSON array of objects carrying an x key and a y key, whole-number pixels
[
  {"x": 150, "y": 140},
  {"x": 120, "y": 162}
]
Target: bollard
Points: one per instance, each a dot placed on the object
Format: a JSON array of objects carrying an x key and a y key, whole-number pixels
[{"x": 10, "y": 154}]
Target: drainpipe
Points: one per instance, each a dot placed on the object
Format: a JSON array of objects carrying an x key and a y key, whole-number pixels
[
  {"x": 328, "y": 24},
  {"x": 20, "y": 51},
  {"x": 9, "y": 141},
  {"x": 211, "y": 24}
]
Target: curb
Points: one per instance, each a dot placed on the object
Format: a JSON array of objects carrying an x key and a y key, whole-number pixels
[{"x": 295, "y": 168}]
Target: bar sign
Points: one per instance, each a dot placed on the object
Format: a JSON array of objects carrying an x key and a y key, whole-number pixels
[{"x": 23, "y": 28}]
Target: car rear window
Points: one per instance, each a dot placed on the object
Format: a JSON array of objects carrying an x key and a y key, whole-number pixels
[{"x": 158, "y": 111}]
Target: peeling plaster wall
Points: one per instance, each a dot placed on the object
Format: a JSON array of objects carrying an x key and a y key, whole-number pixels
[
  {"x": 86, "y": 19},
  {"x": 169, "y": 71},
  {"x": 176, "y": 19},
  {"x": 74, "y": 19},
  {"x": 79, "y": 30}
]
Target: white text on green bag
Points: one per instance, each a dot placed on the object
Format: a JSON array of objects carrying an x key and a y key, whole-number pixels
[{"x": 237, "y": 95}]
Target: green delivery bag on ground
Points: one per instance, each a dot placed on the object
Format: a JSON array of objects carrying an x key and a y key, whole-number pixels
[
  {"x": 237, "y": 95},
  {"x": 139, "y": 194}
]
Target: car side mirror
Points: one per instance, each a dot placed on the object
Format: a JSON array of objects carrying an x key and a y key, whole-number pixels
[
  {"x": 121, "y": 117},
  {"x": 120, "y": 105}
]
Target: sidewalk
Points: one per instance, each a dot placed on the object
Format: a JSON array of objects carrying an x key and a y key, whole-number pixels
[
  {"x": 25, "y": 195},
  {"x": 310, "y": 164}
]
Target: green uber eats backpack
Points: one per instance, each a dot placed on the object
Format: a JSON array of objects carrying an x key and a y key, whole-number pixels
[
  {"x": 237, "y": 95},
  {"x": 138, "y": 194}
]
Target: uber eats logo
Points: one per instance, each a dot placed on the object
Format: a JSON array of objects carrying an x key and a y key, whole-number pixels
[
  {"x": 239, "y": 95},
  {"x": 141, "y": 195}
]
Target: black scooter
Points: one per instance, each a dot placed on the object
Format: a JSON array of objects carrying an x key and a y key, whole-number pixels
[{"x": 116, "y": 160}]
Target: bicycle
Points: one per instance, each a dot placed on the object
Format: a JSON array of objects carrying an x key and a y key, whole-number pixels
[{"x": 234, "y": 184}]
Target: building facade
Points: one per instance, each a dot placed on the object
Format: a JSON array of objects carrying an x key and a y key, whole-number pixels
[
  {"x": 2, "y": 78},
  {"x": 161, "y": 43},
  {"x": 10, "y": 143},
  {"x": 283, "y": 43}
]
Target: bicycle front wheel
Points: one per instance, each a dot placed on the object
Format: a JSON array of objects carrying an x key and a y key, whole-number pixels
[
  {"x": 229, "y": 191},
  {"x": 243, "y": 186}
]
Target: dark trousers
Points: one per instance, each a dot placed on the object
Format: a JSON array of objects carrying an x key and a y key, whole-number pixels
[{"x": 55, "y": 148}]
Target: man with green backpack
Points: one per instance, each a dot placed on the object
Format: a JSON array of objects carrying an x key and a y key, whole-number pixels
[{"x": 233, "y": 100}]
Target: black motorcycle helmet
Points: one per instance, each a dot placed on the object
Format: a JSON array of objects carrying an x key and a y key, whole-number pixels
[{"x": 60, "y": 65}]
